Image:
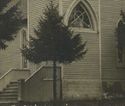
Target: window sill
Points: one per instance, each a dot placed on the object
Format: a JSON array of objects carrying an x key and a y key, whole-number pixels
[
  {"x": 50, "y": 79},
  {"x": 76, "y": 29}
]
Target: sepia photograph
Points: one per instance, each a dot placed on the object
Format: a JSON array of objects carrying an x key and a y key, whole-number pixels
[{"x": 62, "y": 52}]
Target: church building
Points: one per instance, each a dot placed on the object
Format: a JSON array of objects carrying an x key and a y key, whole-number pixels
[{"x": 100, "y": 74}]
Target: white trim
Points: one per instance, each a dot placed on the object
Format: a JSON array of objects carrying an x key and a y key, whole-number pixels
[
  {"x": 28, "y": 16},
  {"x": 100, "y": 47},
  {"x": 47, "y": 79},
  {"x": 6, "y": 73},
  {"x": 90, "y": 10},
  {"x": 92, "y": 80},
  {"x": 10, "y": 5},
  {"x": 60, "y": 8},
  {"x": 12, "y": 69},
  {"x": 113, "y": 80},
  {"x": 83, "y": 30},
  {"x": 20, "y": 48},
  {"x": 35, "y": 72},
  {"x": 119, "y": 19},
  {"x": 28, "y": 28}
]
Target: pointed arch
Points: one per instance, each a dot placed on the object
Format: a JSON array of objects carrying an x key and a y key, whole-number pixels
[
  {"x": 24, "y": 61},
  {"x": 120, "y": 40},
  {"x": 84, "y": 10}
]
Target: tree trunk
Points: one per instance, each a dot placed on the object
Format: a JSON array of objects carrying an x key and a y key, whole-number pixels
[{"x": 54, "y": 81}]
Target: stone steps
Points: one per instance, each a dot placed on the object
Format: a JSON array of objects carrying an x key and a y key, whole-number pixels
[{"x": 10, "y": 93}]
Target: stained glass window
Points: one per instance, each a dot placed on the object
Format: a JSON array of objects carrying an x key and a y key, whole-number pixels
[{"x": 80, "y": 17}]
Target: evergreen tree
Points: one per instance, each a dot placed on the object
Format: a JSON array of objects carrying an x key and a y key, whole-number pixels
[
  {"x": 11, "y": 21},
  {"x": 54, "y": 42}
]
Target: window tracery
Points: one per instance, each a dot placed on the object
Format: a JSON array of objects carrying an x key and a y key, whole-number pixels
[{"x": 80, "y": 17}]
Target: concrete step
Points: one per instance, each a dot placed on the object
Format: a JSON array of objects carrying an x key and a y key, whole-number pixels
[
  {"x": 13, "y": 84},
  {"x": 10, "y": 89},
  {"x": 8, "y": 102},
  {"x": 8, "y": 94},
  {"x": 8, "y": 97}
]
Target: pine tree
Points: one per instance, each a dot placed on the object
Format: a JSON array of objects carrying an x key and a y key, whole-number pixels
[
  {"x": 11, "y": 21},
  {"x": 54, "y": 42}
]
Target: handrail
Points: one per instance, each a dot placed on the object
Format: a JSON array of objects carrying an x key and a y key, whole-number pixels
[
  {"x": 13, "y": 75},
  {"x": 6, "y": 73},
  {"x": 12, "y": 69},
  {"x": 43, "y": 76},
  {"x": 34, "y": 72}
]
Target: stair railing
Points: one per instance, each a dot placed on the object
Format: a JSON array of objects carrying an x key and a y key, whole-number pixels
[
  {"x": 37, "y": 70},
  {"x": 13, "y": 75},
  {"x": 22, "y": 83},
  {"x": 39, "y": 85}
]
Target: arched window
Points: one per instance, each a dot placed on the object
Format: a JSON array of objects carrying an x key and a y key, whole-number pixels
[
  {"x": 24, "y": 39},
  {"x": 121, "y": 41},
  {"x": 80, "y": 17},
  {"x": 24, "y": 44}
]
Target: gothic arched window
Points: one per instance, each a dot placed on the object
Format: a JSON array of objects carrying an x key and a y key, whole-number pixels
[
  {"x": 24, "y": 39},
  {"x": 24, "y": 44},
  {"x": 121, "y": 40},
  {"x": 80, "y": 17}
]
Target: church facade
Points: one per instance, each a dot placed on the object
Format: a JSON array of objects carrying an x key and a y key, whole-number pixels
[{"x": 100, "y": 73}]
